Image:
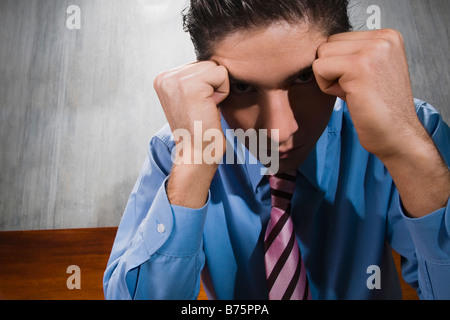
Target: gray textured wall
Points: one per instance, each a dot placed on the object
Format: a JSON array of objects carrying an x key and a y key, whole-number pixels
[
  {"x": 78, "y": 107},
  {"x": 425, "y": 25}
]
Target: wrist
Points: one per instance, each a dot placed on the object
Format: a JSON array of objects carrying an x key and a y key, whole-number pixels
[
  {"x": 411, "y": 155},
  {"x": 189, "y": 184},
  {"x": 421, "y": 177}
]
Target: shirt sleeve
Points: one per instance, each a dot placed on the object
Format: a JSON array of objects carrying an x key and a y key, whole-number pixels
[
  {"x": 432, "y": 242},
  {"x": 151, "y": 258},
  {"x": 427, "y": 266}
]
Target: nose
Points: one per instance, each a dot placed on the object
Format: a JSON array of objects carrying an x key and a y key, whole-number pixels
[{"x": 278, "y": 114}]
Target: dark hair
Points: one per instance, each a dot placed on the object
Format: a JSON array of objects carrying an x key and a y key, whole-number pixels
[{"x": 210, "y": 21}]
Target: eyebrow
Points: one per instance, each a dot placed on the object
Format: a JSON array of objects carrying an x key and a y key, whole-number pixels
[{"x": 234, "y": 79}]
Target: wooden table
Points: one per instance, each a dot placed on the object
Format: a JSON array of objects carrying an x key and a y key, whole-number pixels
[{"x": 33, "y": 264}]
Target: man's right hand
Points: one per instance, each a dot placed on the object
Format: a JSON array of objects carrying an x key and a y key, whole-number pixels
[{"x": 187, "y": 94}]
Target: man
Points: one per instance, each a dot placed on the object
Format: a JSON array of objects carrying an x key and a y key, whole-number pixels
[{"x": 366, "y": 162}]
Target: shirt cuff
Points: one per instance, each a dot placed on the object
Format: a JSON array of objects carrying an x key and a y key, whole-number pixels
[
  {"x": 173, "y": 230},
  {"x": 431, "y": 234}
]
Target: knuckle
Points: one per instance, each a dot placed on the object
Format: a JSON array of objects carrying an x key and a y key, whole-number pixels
[
  {"x": 392, "y": 35},
  {"x": 211, "y": 63},
  {"x": 165, "y": 82},
  {"x": 322, "y": 50},
  {"x": 381, "y": 45},
  {"x": 158, "y": 81},
  {"x": 316, "y": 66},
  {"x": 365, "y": 62},
  {"x": 208, "y": 64},
  {"x": 223, "y": 71}
]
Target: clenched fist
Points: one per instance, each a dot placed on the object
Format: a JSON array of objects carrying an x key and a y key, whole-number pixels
[
  {"x": 188, "y": 94},
  {"x": 192, "y": 93},
  {"x": 369, "y": 71}
]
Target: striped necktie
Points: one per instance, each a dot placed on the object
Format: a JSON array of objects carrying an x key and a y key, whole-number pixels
[{"x": 286, "y": 275}]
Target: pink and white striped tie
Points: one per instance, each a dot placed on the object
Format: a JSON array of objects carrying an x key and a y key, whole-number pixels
[{"x": 286, "y": 275}]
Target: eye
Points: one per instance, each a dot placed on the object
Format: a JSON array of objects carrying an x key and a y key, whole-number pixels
[
  {"x": 305, "y": 77},
  {"x": 241, "y": 88}
]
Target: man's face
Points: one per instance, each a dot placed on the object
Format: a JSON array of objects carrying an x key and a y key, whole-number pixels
[{"x": 273, "y": 87}]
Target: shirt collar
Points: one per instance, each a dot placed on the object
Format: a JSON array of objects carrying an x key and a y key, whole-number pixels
[{"x": 314, "y": 166}]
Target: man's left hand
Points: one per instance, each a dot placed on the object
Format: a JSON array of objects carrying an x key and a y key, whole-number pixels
[{"x": 369, "y": 70}]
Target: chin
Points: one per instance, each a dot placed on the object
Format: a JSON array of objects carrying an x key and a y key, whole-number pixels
[
  {"x": 290, "y": 163},
  {"x": 294, "y": 160}
]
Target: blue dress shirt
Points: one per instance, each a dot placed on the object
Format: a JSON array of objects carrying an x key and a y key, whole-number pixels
[{"x": 346, "y": 209}]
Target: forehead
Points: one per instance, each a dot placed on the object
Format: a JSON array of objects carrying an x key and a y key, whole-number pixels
[{"x": 268, "y": 55}]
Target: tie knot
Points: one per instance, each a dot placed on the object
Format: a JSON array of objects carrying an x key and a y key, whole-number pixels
[{"x": 282, "y": 188}]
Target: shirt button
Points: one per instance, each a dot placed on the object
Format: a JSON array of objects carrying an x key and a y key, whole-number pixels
[{"x": 160, "y": 228}]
